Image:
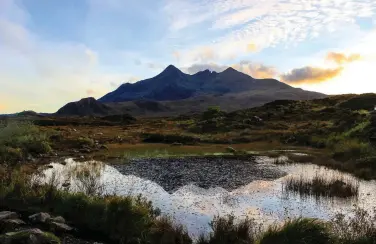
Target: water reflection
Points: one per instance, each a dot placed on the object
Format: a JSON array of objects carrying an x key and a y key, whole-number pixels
[{"x": 195, "y": 207}]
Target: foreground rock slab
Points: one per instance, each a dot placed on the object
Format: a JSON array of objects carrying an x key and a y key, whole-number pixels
[
  {"x": 8, "y": 215},
  {"x": 40, "y": 218},
  {"x": 30, "y": 236},
  {"x": 7, "y": 225}
]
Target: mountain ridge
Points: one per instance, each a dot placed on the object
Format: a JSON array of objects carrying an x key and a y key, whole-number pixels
[
  {"x": 173, "y": 92},
  {"x": 173, "y": 84}
]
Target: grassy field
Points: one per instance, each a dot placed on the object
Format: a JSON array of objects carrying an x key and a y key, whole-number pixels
[{"x": 338, "y": 131}]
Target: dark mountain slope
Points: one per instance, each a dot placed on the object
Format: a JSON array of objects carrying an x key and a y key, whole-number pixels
[
  {"x": 173, "y": 92},
  {"x": 86, "y": 107},
  {"x": 172, "y": 85}
]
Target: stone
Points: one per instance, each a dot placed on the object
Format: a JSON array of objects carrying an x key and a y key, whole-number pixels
[
  {"x": 103, "y": 147},
  {"x": 230, "y": 150},
  {"x": 7, "y": 225},
  {"x": 8, "y": 215},
  {"x": 59, "y": 227},
  {"x": 29, "y": 236},
  {"x": 85, "y": 150},
  {"x": 66, "y": 184},
  {"x": 39, "y": 218},
  {"x": 177, "y": 144},
  {"x": 57, "y": 219}
]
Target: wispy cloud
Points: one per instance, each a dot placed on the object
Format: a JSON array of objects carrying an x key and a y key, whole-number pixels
[{"x": 264, "y": 23}]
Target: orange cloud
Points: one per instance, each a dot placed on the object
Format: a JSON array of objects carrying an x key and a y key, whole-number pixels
[
  {"x": 206, "y": 53},
  {"x": 256, "y": 70},
  {"x": 340, "y": 58},
  {"x": 310, "y": 75},
  {"x": 2, "y": 107},
  {"x": 90, "y": 92},
  {"x": 176, "y": 55},
  {"x": 251, "y": 47}
]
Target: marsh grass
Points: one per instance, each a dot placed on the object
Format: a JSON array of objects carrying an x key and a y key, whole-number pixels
[
  {"x": 298, "y": 231},
  {"x": 321, "y": 186},
  {"x": 228, "y": 230},
  {"x": 18, "y": 139},
  {"x": 360, "y": 228},
  {"x": 88, "y": 179},
  {"x": 301, "y": 158},
  {"x": 164, "y": 231}
]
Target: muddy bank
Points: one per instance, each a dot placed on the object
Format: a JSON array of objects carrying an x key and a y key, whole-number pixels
[{"x": 206, "y": 173}]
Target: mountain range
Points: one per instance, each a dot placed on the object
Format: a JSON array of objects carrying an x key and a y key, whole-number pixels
[{"x": 173, "y": 92}]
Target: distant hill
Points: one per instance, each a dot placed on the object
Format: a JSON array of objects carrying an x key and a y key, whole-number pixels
[
  {"x": 86, "y": 107},
  {"x": 363, "y": 101},
  {"x": 173, "y": 92}
]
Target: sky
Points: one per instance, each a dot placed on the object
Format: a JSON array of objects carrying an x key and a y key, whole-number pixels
[{"x": 53, "y": 52}]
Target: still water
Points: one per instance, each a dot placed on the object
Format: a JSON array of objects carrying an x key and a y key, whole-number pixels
[{"x": 195, "y": 207}]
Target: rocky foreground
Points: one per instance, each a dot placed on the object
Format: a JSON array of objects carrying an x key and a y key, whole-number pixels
[
  {"x": 207, "y": 172},
  {"x": 40, "y": 228}
]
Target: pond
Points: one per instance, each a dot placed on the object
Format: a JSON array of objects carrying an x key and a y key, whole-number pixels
[{"x": 193, "y": 191}]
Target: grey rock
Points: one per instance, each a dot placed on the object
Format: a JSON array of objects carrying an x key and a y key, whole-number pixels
[
  {"x": 59, "y": 227},
  {"x": 7, "y": 225},
  {"x": 39, "y": 218},
  {"x": 57, "y": 219},
  {"x": 8, "y": 215},
  {"x": 29, "y": 236},
  {"x": 103, "y": 147}
]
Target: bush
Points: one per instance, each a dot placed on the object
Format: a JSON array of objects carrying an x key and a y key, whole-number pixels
[
  {"x": 351, "y": 148},
  {"x": 163, "y": 231},
  {"x": 225, "y": 230},
  {"x": 358, "y": 229},
  {"x": 170, "y": 138},
  {"x": 85, "y": 141},
  {"x": 320, "y": 186},
  {"x": 299, "y": 231},
  {"x": 19, "y": 139}
]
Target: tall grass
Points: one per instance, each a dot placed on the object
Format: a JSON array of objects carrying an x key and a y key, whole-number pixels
[
  {"x": 227, "y": 230},
  {"x": 358, "y": 229},
  {"x": 320, "y": 186},
  {"x": 298, "y": 231},
  {"x": 18, "y": 139}
]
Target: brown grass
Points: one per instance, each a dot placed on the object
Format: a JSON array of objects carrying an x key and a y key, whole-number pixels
[{"x": 320, "y": 186}]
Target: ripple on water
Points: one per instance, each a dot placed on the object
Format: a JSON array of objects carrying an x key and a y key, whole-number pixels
[{"x": 195, "y": 207}]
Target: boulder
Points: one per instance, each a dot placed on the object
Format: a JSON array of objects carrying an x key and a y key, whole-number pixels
[
  {"x": 40, "y": 218},
  {"x": 57, "y": 219},
  {"x": 59, "y": 227},
  {"x": 29, "y": 236},
  {"x": 103, "y": 147},
  {"x": 230, "y": 150},
  {"x": 8, "y": 215},
  {"x": 7, "y": 225}
]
